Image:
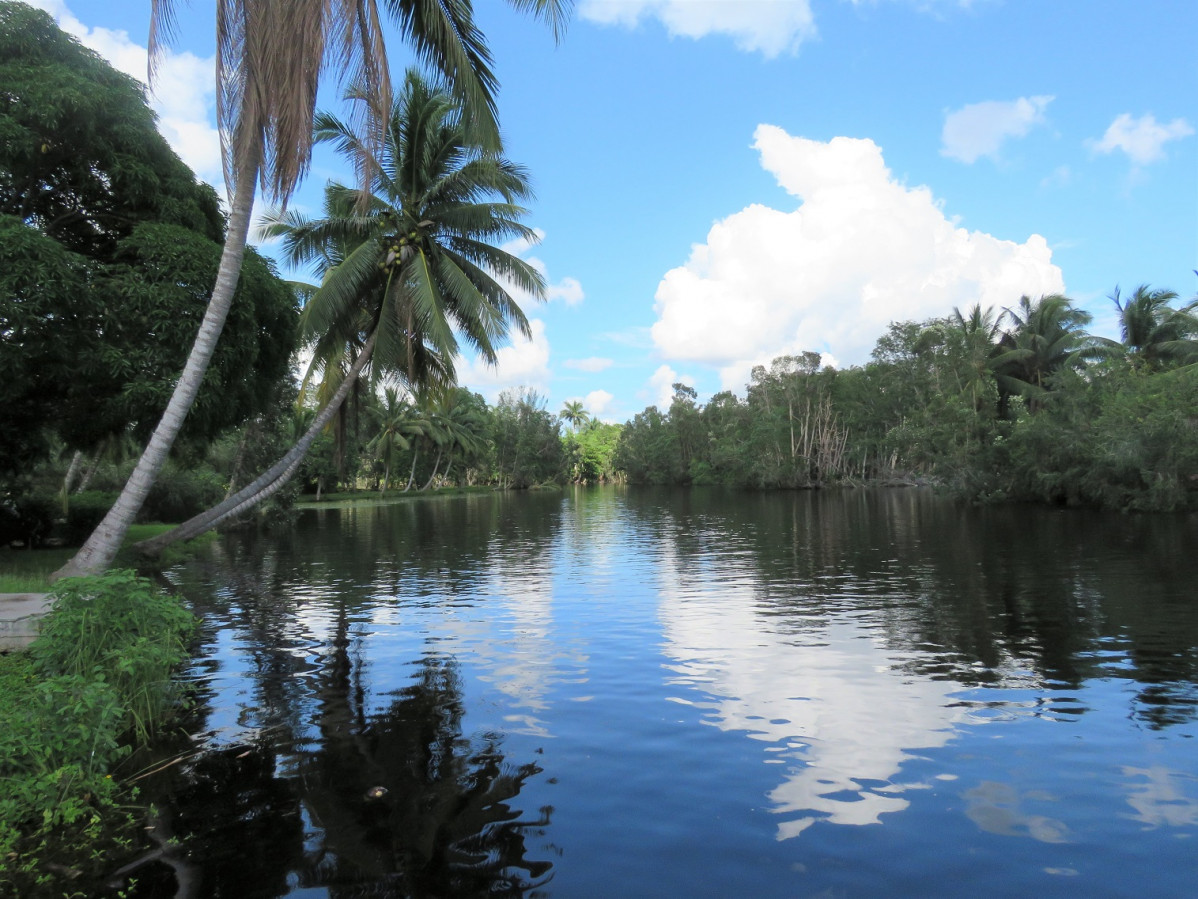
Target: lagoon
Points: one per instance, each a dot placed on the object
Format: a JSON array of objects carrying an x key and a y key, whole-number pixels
[{"x": 623, "y": 692}]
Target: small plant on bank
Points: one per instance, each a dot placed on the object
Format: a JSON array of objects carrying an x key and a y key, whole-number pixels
[{"x": 96, "y": 682}]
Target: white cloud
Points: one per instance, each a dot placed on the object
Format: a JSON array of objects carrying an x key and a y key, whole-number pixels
[
  {"x": 183, "y": 95},
  {"x": 597, "y": 402},
  {"x": 567, "y": 289},
  {"x": 769, "y": 27},
  {"x": 979, "y": 129},
  {"x": 661, "y": 386},
  {"x": 523, "y": 363},
  {"x": 1142, "y": 139},
  {"x": 591, "y": 364},
  {"x": 861, "y": 251}
]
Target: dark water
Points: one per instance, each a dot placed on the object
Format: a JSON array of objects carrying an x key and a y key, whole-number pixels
[{"x": 649, "y": 693}]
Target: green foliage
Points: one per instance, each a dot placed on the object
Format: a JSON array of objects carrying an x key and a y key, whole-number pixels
[
  {"x": 100, "y": 670},
  {"x": 1022, "y": 407},
  {"x": 119, "y": 629},
  {"x": 84, "y": 512},
  {"x": 591, "y": 452},
  {"x": 82, "y": 159},
  {"x": 29, "y": 518},
  {"x": 182, "y": 492},
  {"x": 527, "y": 441},
  {"x": 108, "y": 250}
]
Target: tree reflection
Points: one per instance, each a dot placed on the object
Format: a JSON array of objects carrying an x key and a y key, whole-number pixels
[{"x": 406, "y": 804}]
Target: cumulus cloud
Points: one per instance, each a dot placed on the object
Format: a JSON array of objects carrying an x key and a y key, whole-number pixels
[
  {"x": 1142, "y": 139},
  {"x": 597, "y": 402},
  {"x": 861, "y": 250},
  {"x": 769, "y": 27},
  {"x": 660, "y": 386},
  {"x": 522, "y": 363},
  {"x": 979, "y": 129},
  {"x": 568, "y": 289},
  {"x": 590, "y": 364},
  {"x": 183, "y": 95}
]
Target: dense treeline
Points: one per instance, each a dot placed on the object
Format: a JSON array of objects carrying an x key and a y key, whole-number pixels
[{"x": 1020, "y": 404}]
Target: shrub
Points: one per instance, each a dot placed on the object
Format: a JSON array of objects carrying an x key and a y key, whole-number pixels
[
  {"x": 178, "y": 494},
  {"x": 100, "y": 670},
  {"x": 119, "y": 628},
  {"x": 84, "y": 512}
]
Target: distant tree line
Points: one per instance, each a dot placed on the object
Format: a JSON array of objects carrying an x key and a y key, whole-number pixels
[{"x": 1019, "y": 404}]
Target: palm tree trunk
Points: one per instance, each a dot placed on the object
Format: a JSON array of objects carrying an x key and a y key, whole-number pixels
[
  {"x": 412, "y": 473},
  {"x": 101, "y": 547},
  {"x": 91, "y": 471},
  {"x": 270, "y": 481},
  {"x": 436, "y": 465}
]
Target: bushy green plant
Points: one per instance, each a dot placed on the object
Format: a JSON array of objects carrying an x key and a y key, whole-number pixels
[
  {"x": 180, "y": 493},
  {"x": 99, "y": 671},
  {"x": 33, "y": 517},
  {"x": 117, "y": 628},
  {"x": 84, "y": 512}
]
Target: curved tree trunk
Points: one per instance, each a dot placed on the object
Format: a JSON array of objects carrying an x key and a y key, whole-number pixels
[
  {"x": 412, "y": 473},
  {"x": 270, "y": 481},
  {"x": 101, "y": 547},
  {"x": 436, "y": 465}
]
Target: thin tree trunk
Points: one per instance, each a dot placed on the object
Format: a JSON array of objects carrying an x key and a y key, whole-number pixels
[
  {"x": 412, "y": 473},
  {"x": 101, "y": 547},
  {"x": 90, "y": 473},
  {"x": 239, "y": 457},
  {"x": 66, "y": 482},
  {"x": 436, "y": 465},
  {"x": 269, "y": 482}
]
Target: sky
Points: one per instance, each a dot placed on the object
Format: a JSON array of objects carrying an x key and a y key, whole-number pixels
[{"x": 720, "y": 182}]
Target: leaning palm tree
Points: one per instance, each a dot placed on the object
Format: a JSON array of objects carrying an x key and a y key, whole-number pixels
[
  {"x": 406, "y": 267},
  {"x": 270, "y": 55}
]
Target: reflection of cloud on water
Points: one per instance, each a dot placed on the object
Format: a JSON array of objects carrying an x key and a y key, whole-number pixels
[
  {"x": 1161, "y": 800},
  {"x": 997, "y": 808},
  {"x": 842, "y": 718}
]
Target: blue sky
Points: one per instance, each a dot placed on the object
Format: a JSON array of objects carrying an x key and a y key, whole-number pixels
[{"x": 723, "y": 181}]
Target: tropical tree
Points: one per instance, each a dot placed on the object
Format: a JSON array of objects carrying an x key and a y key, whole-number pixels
[
  {"x": 407, "y": 267},
  {"x": 1154, "y": 334},
  {"x": 270, "y": 56},
  {"x": 396, "y": 424},
  {"x": 574, "y": 414},
  {"x": 1044, "y": 336}
]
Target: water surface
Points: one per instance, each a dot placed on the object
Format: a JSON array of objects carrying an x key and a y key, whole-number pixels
[{"x": 694, "y": 693}]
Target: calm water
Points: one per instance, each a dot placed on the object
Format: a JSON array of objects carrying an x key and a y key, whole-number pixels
[{"x": 651, "y": 693}]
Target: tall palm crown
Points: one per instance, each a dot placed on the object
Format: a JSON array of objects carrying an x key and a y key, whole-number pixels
[
  {"x": 1044, "y": 336},
  {"x": 416, "y": 264},
  {"x": 574, "y": 414},
  {"x": 1154, "y": 333}
]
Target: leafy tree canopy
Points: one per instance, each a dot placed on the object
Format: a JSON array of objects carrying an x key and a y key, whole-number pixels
[
  {"x": 82, "y": 159},
  {"x": 108, "y": 251}
]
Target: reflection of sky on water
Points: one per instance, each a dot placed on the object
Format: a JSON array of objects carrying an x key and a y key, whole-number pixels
[
  {"x": 1158, "y": 796},
  {"x": 841, "y": 719}
]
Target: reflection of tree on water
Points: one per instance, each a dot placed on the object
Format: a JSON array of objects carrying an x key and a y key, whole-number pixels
[{"x": 407, "y": 805}]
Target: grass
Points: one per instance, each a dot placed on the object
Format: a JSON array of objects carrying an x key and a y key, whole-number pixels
[{"x": 29, "y": 570}]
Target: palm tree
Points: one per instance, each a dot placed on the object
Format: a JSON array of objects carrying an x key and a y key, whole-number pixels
[
  {"x": 396, "y": 424},
  {"x": 574, "y": 415},
  {"x": 269, "y": 59},
  {"x": 399, "y": 277},
  {"x": 1046, "y": 335},
  {"x": 1155, "y": 335}
]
